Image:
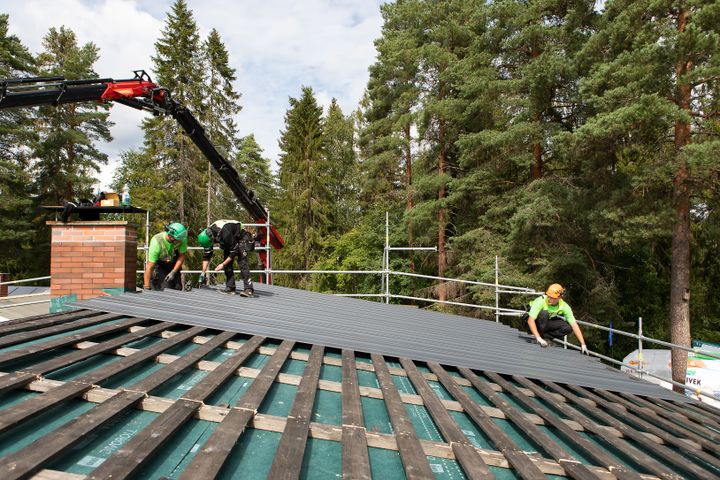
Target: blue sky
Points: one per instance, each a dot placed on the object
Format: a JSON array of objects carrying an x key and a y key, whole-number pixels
[{"x": 276, "y": 46}]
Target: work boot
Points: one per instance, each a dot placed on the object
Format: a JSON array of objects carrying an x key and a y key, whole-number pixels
[
  {"x": 229, "y": 291},
  {"x": 248, "y": 292}
]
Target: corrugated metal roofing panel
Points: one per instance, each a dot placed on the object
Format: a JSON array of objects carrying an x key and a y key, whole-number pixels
[{"x": 370, "y": 327}]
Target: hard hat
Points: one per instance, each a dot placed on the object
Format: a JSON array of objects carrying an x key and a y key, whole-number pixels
[
  {"x": 177, "y": 231},
  {"x": 555, "y": 291},
  {"x": 205, "y": 238}
]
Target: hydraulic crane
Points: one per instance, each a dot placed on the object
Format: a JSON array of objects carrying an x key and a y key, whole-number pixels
[{"x": 142, "y": 93}]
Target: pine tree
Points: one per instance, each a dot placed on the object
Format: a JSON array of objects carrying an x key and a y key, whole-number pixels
[
  {"x": 178, "y": 67},
  {"x": 16, "y": 208},
  {"x": 67, "y": 157},
  {"x": 653, "y": 81},
  {"x": 304, "y": 193},
  {"x": 221, "y": 105}
]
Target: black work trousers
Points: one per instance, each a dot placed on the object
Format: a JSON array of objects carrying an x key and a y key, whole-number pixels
[
  {"x": 160, "y": 271},
  {"x": 242, "y": 262},
  {"x": 550, "y": 328}
]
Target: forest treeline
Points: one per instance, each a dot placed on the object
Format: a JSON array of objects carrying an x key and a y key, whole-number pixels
[{"x": 577, "y": 142}]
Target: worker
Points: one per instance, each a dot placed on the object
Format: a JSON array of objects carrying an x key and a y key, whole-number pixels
[
  {"x": 235, "y": 242},
  {"x": 166, "y": 255},
  {"x": 551, "y": 317}
]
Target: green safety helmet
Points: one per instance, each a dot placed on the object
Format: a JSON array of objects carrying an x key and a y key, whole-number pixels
[
  {"x": 177, "y": 231},
  {"x": 205, "y": 238}
]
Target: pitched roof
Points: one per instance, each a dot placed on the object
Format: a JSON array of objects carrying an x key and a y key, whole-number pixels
[
  {"x": 96, "y": 394},
  {"x": 371, "y": 327}
]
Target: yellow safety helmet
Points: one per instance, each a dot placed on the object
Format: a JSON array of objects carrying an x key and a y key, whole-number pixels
[{"x": 555, "y": 291}]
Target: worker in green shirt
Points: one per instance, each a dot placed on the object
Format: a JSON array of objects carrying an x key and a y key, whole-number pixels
[
  {"x": 551, "y": 317},
  {"x": 166, "y": 255}
]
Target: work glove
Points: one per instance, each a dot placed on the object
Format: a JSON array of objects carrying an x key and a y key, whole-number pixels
[
  {"x": 584, "y": 350},
  {"x": 202, "y": 279},
  {"x": 541, "y": 341},
  {"x": 170, "y": 276}
]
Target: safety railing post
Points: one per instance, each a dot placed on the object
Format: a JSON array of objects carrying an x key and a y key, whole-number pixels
[
  {"x": 387, "y": 258},
  {"x": 268, "y": 252},
  {"x": 640, "y": 348},
  {"x": 497, "y": 290},
  {"x": 147, "y": 237}
]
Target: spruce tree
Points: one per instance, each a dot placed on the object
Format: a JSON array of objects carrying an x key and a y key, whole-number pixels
[
  {"x": 178, "y": 67},
  {"x": 221, "y": 105},
  {"x": 16, "y": 135},
  {"x": 304, "y": 192},
  {"x": 342, "y": 169},
  {"x": 254, "y": 169}
]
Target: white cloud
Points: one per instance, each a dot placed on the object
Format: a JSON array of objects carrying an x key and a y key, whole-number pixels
[{"x": 276, "y": 46}]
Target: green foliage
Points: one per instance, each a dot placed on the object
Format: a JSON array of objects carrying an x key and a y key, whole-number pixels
[
  {"x": 304, "y": 194},
  {"x": 16, "y": 136}
]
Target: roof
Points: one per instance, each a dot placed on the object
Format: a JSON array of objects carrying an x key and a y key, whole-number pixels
[
  {"x": 29, "y": 303},
  {"x": 372, "y": 327},
  {"x": 96, "y": 394}
]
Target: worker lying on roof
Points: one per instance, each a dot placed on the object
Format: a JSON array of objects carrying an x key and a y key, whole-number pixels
[
  {"x": 235, "y": 242},
  {"x": 551, "y": 317},
  {"x": 166, "y": 255}
]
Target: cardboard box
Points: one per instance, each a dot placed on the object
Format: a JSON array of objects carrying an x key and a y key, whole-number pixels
[{"x": 112, "y": 199}]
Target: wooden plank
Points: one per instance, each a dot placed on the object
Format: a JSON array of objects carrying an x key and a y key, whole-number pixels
[
  {"x": 708, "y": 438},
  {"x": 15, "y": 380},
  {"x": 103, "y": 347},
  {"x": 352, "y": 413},
  {"x": 212, "y": 456},
  {"x": 159, "y": 377},
  {"x": 638, "y": 456},
  {"x": 517, "y": 459},
  {"x": 31, "y": 459},
  {"x": 571, "y": 436},
  {"x": 125, "y": 461},
  {"x": 68, "y": 435},
  {"x": 540, "y": 438},
  {"x": 32, "y": 406},
  {"x": 227, "y": 369},
  {"x": 355, "y": 458},
  {"x": 131, "y": 456},
  {"x": 411, "y": 453},
  {"x": 102, "y": 374},
  {"x": 291, "y": 449},
  {"x": 676, "y": 459},
  {"x": 469, "y": 459},
  {"x": 39, "y": 321},
  {"x": 72, "y": 339},
  {"x": 687, "y": 412},
  {"x": 21, "y": 337},
  {"x": 35, "y": 405},
  {"x": 692, "y": 449}
]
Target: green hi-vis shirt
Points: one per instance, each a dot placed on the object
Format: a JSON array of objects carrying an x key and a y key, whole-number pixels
[
  {"x": 163, "y": 251},
  {"x": 562, "y": 309}
]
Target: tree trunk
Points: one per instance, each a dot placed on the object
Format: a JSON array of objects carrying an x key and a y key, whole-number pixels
[
  {"x": 408, "y": 189},
  {"x": 680, "y": 263},
  {"x": 442, "y": 259},
  {"x": 537, "y": 165}
]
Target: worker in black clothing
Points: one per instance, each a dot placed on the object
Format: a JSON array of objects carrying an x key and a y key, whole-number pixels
[{"x": 235, "y": 242}]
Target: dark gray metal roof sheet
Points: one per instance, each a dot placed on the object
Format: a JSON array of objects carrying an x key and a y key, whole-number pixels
[{"x": 392, "y": 330}]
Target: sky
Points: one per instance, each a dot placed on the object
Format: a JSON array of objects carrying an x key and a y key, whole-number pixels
[{"x": 275, "y": 46}]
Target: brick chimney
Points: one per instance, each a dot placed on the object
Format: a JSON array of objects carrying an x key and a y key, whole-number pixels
[{"x": 92, "y": 258}]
